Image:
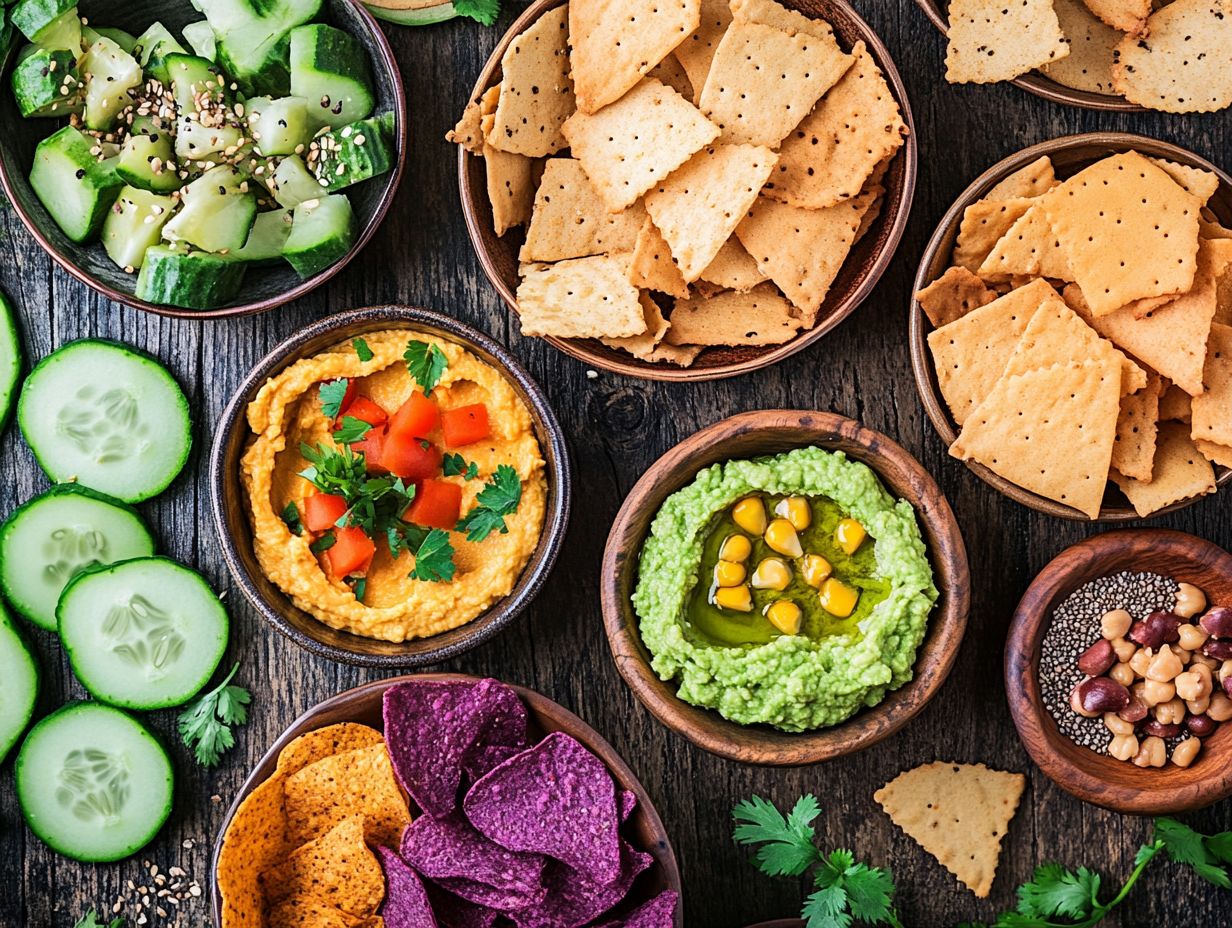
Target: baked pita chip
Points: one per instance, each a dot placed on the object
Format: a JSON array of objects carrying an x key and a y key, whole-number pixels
[
  {"x": 1092, "y": 49},
  {"x": 580, "y": 298},
  {"x": 759, "y": 317},
  {"x": 992, "y": 41},
  {"x": 1034, "y": 180},
  {"x": 733, "y": 268},
  {"x": 1182, "y": 66},
  {"x": 984, "y": 224},
  {"x": 1179, "y": 472},
  {"x": 952, "y": 295},
  {"x": 569, "y": 219},
  {"x": 536, "y": 91},
  {"x": 1134, "y": 452}
]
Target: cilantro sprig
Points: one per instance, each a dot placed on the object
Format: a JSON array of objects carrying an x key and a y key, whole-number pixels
[
  {"x": 454, "y": 465},
  {"x": 206, "y": 724},
  {"x": 426, "y": 364},
  {"x": 500, "y": 497},
  {"x": 333, "y": 394},
  {"x": 351, "y": 430},
  {"x": 482, "y": 11},
  {"x": 90, "y": 920},
  {"x": 434, "y": 558}
]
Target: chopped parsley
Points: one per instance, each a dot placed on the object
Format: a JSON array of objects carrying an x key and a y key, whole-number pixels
[
  {"x": 362, "y": 349},
  {"x": 499, "y": 497},
  {"x": 351, "y": 430},
  {"x": 454, "y": 465},
  {"x": 333, "y": 394},
  {"x": 482, "y": 11},
  {"x": 290, "y": 515},
  {"x": 206, "y": 724},
  {"x": 434, "y": 558},
  {"x": 426, "y": 364}
]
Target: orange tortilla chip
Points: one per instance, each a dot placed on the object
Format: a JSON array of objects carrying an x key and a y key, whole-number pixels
[
  {"x": 307, "y": 911},
  {"x": 325, "y": 742},
  {"x": 337, "y": 869},
  {"x": 340, "y": 787}
]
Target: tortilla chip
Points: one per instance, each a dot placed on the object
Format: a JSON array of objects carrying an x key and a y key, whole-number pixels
[
  {"x": 613, "y": 50},
  {"x": 337, "y": 868},
  {"x": 569, "y": 219},
  {"x": 671, "y": 72},
  {"x": 1216, "y": 454},
  {"x": 652, "y": 265},
  {"x": 580, "y": 298},
  {"x": 991, "y": 41},
  {"x": 698, "y": 207},
  {"x": 325, "y": 742},
  {"x": 406, "y": 904},
  {"x": 959, "y": 813},
  {"x": 537, "y": 95},
  {"x": 733, "y": 268},
  {"x": 469, "y": 131},
  {"x": 696, "y": 52},
  {"x": 1125, "y": 15},
  {"x": 952, "y": 295},
  {"x": 1134, "y": 452},
  {"x": 984, "y": 224},
  {"x": 1179, "y": 472},
  {"x": 1182, "y": 67},
  {"x": 769, "y": 13},
  {"x": 1036, "y": 179},
  {"x": 759, "y": 317},
  {"x": 637, "y": 141},
  {"x": 1050, "y": 431},
  {"x": 342, "y": 786},
  {"x": 307, "y": 911},
  {"x": 1030, "y": 248},
  {"x": 1092, "y": 46},
  {"x": 1174, "y": 405},
  {"x": 511, "y": 187},
  {"x": 1212, "y": 411},
  {"x": 642, "y": 346},
  {"x": 763, "y": 81}
]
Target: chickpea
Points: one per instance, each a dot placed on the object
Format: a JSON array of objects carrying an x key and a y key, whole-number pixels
[
  {"x": 1154, "y": 692},
  {"x": 1123, "y": 747},
  {"x": 1225, "y": 670},
  {"x": 1200, "y": 658},
  {"x": 1221, "y": 708},
  {"x": 1123, "y": 674},
  {"x": 1171, "y": 712},
  {"x": 1183, "y": 655},
  {"x": 1198, "y": 706},
  {"x": 1189, "y": 601},
  {"x": 1141, "y": 661},
  {"x": 1117, "y": 725},
  {"x": 1184, "y": 753},
  {"x": 1164, "y": 666},
  {"x": 1125, "y": 649},
  {"x": 1152, "y": 752},
  {"x": 1192, "y": 637},
  {"x": 1115, "y": 624},
  {"x": 1189, "y": 685}
]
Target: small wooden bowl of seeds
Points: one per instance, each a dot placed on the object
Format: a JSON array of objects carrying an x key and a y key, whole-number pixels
[{"x": 1118, "y": 671}]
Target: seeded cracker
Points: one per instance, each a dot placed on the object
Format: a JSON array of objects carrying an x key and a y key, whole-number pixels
[
  {"x": 1184, "y": 65},
  {"x": 642, "y": 346},
  {"x": 651, "y": 266},
  {"x": 1212, "y": 411},
  {"x": 671, "y": 72},
  {"x": 1030, "y": 247},
  {"x": 983, "y": 225},
  {"x": 537, "y": 95},
  {"x": 511, "y": 187},
  {"x": 1179, "y": 472},
  {"x": 958, "y": 813},
  {"x": 615, "y": 44},
  {"x": 1137, "y": 425},
  {"x": 1036, "y": 179},
  {"x": 637, "y": 141},
  {"x": 952, "y": 295},
  {"x": 733, "y": 268},
  {"x": 759, "y": 317},
  {"x": 1125, "y": 15},
  {"x": 469, "y": 131},
  {"x": 696, "y": 52},
  {"x": 580, "y": 298},
  {"x": 570, "y": 220},
  {"x": 991, "y": 41},
  {"x": 1088, "y": 66}
]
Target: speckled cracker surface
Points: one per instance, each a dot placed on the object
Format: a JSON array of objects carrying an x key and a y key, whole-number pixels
[
  {"x": 511, "y": 185},
  {"x": 1184, "y": 64},
  {"x": 763, "y": 81},
  {"x": 1124, "y": 15},
  {"x": 775, "y": 14},
  {"x": 1215, "y": 453},
  {"x": 569, "y": 219},
  {"x": 990, "y": 40},
  {"x": 469, "y": 131},
  {"x": 1180, "y": 471},
  {"x": 652, "y": 265},
  {"x": 1212, "y": 411},
  {"x": 759, "y": 317},
  {"x": 959, "y": 813},
  {"x": 671, "y": 72},
  {"x": 536, "y": 92},
  {"x": 1030, "y": 247},
  {"x": 984, "y": 224},
  {"x": 1133, "y": 454},
  {"x": 952, "y": 295},
  {"x": 341, "y": 786},
  {"x": 1199, "y": 182},
  {"x": 733, "y": 268},
  {"x": 855, "y": 127},
  {"x": 696, "y": 52},
  {"x": 615, "y": 42},
  {"x": 631, "y": 145},
  {"x": 1175, "y": 404},
  {"x": 580, "y": 298},
  {"x": 1034, "y": 180},
  {"x": 1092, "y": 46},
  {"x": 642, "y": 346},
  {"x": 337, "y": 868},
  {"x": 698, "y": 206}
]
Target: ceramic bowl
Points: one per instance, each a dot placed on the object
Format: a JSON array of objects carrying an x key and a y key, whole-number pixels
[
  {"x": 230, "y": 509},
  {"x": 363, "y": 705},
  {"x": 1069, "y": 155},
  {"x": 264, "y": 287},
  {"x": 859, "y": 275},
  {"x": 1099, "y": 778},
  {"x": 769, "y": 432}
]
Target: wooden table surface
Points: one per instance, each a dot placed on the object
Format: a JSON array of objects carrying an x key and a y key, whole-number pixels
[{"x": 422, "y": 256}]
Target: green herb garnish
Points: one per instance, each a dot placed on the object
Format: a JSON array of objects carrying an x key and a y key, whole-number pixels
[
  {"x": 499, "y": 498},
  {"x": 482, "y": 11},
  {"x": 290, "y": 515},
  {"x": 351, "y": 430},
  {"x": 359, "y": 587},
  {"x": 426, "y": 364},
  {"x": 325, "y": 542},
  {"x": 90, "y": 920},
  {"x": 332, "y": 396},
  {"x": 453, "y": 464},
  {"x": 206, "y": 724},
  {"x": 1208, "y": 855},
  {"x": 434, "y": 558},
  {"x": 362, "y": 349}
]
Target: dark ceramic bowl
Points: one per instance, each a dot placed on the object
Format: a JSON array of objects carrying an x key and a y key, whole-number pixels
[
  {"x": 264, "y": 287},
  {"x": 363, "y": 705},
  {"x": 235, "y": 533},
  {"x": 1069, "y": 156},
  {"x": 855, "y": 281}
]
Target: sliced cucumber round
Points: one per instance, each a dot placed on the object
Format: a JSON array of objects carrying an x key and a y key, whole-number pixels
[
  {"x": 107, "y": 416},
  {"x": 53, "y": 537},
  {"x": 93, "y": 783},
  {"x": 142, "y": 634},
  {"x": 10, "y": 357},
  {"x": 20, "y": 674}
]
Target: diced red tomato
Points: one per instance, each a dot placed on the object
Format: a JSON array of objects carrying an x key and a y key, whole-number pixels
[
  {"x": 437, "y": 504},
  {"x": 372, "y": 446},
  {"x": 351, "y": 552},
  {"x": 465, "y": 425},
  {"x": 322, "y": 510},
  {"x": 407, "y": 457},
  {"x": 416, "y": 418},
  {"x": 366, "y": 410}
]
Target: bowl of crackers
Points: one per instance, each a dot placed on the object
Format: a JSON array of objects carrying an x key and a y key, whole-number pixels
[
  {"x": 1120, "y": 55},
  {"x": 1071, "y": 330},
  {"x": 686, "y": 191}
]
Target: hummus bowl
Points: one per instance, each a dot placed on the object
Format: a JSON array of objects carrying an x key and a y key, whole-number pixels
[
  {"x": 279, "y": 573},
  {"x": 804, "y": 436}
]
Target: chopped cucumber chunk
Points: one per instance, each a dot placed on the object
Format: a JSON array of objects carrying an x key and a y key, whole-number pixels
[
  {"x": 74, "y": 187},
  {"x": 134, "y": 224},
  {"x": 147, "y": 160},
  {"x": 351, "y": 154},
  {"x": 49, "y": 23},
  {"x": 46, "y": 83},
  {"x": 109, "y": 73},
  {"x": 292, "y": 183},
  {"x": 190, "y": 279},
  {"x": 20, "y": 674},
  {"x": 329, "y": 68},
  {"x": 322, "y": 231},
  {"x": 200, "y": 38},
  {"x": 252, "y": 40},
  {"x": 216, "y": 212},
  {"x": 267, "y": 239},
  {"x": 191, "y": 75},
  {"x": 152, "y": 48},
  {"x": 279, "y": 126},
  {"x": 196, "y": 144},
  {"x": 91, "y": 34}
]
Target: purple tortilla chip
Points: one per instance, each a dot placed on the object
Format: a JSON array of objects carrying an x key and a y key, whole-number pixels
[
  {"x": 555, "y": 798},
  {"x": 434, "y": 731},
  {"x": 659, "y": 912},
  {"x": 452, "y": 912},
  {"x": 628, "y": 802},
  {"x": 573, "y": 900},
  {"x": 406, "y": 902},
  {"x": 450, "y": 852}
]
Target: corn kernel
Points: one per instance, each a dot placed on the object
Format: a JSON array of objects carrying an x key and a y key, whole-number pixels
[
  {"x": 816, "y": 569},
  {"x": 795, "y": 509},
  {"x": 729, "y": 573},
  {"x": 781, "y": 536},
  {"x": 736, "y": 598},
  {"x": 735, "y": 548},
  {"x": 849, "y": 535},
  {"x": 786, "y": 616},
  {"x": 750, "y": 515},
  {"x": 771, "y": 574},
  {"x": 838, "y": 599}
]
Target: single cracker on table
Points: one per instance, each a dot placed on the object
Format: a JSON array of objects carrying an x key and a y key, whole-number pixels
[
  {"x": 1092, "y": 49},
  {"x": 580, "y": 298},
  {"x": 952, "y": 295},
  {"x": 643, "y": 346},
  {"x": 991, "y": 41},
  {"x": 696, "y": 52},
  {"x": 1034, "y": 180},
  {"x": 1124, "y": 15},
  {"x": 511, "y": 184},
  {"x": 536, "y": 93},
  {"x": 652, "y": 265},
  {"x": 984, "y": 224},
  {"x": 733, "y": 268},
  {"x": 1212, "y": 411},
  {"x": 569, "y": 219},
  {"x": 759, "y": 317},
  {"x": 1182, "y": 66},
  {"x": 1179, "y": 472},
  {"x": 1137, "y": 425},
  {"x": 1029, "y": 248}
]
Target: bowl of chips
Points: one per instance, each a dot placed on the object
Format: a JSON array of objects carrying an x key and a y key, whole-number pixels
[
  {"x": 432, "y": 799},
  {"x": 1071, "y": 331},
  {"x": 696, "y": 196}
]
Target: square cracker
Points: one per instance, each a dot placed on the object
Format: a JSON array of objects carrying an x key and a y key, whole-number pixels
[
  {"x": 1212, "y": 411},
  {"x": 536, "y": 91},
  {"x": 990, "y": 40},
  {"x": 633, "y": 144},
  {"x": 1050, "y": 431},
  {"x": 763, "y": 81},
  {"x": 580, "y": 298},
  {"x": 733, "y": 268},
  {"x": 759, "y": 317},
  {"x": 1036, "y": 179},
  {"x": 469, "y": 131},
  {"x": 1179, "y": 472},
  {"x": 952, "y": 295},
  {"x": 698, "y": 206},
  {"x": 615, "y": 42},
  {"x": 652, "y": 265},
  {"x": 1030, "y": 247},
  {"x": 1137, "y": 425},
  {"x": 643, "y": 346},
  {"x": 1183, "y": 66},
  {"x": 511, "y": 184},
  {"x": 1092, "y": 49},
  {"x": 697, "y": 51},
  {"x": 984, "y": 224},
  {"x": 570, "y": 221},
  {"x": 855, "y": 127}
]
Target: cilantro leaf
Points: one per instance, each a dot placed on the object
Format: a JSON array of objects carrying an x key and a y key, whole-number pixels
[
  {"x": 1221, "y": 846},
  {"x": 351, "y": 430},
  {"x": 90, "y": 920},
  {"x": 787, "y": 847},
  {"x": 426, "y": 364},
  {"x": 453, "y": 465},
  {"x": 434, "y": 558},
  {"x": 333, "y": 394},
  {"x": 870, "y": 892},
  {"x": 205, "y": 726},
  {"x": 1055, "y": 891},
  {"x": 482, "y": 11},
  {"x": 827, "y": 908},
  {"x": 362, "y": 349},
  {"x": 290, "y": 515},
  {"x": 499, "y": 497},
  {"x": 1186, "y": 846}
]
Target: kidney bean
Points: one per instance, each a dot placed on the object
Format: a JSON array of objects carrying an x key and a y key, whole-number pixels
[
  {"x": 1219, "y": 650},
  {"x": 1158, "y": 729},
  {"x": 1167, "y": 623},
  {"x": 1227, "y": 686},
  {"x": 1146, "y": 636},
  {"x": 1097, "y": 659},
  {"x": 1135, "y": 711},
  {"x": 1100, "y": 694},
  {"x": 1201, "y": 725},
  {"x": 1217, "y": 622}
]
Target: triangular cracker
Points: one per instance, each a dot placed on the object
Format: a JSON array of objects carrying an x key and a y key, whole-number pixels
[
  {"x": 990, "y": 40},
  {"x": 469, "y": 131},
  {"x": 511, "y": 185},
  {"x": 1124, "y": 15},
  {"x": 1030, "y": 247},
  {"x": 759, "y": 317},
  {"x": 580, "y": 298},
  {"x": 775, "y": 14},
  {"x": 1212, "y": 411},
  {"x": 984, "y": 224},
  {"x": 1092, "y": 49},
  {"x": 1179, "y": 472},
  {"x": 952, "y": 295},
  {"x": 733, "y": 268},
  {"x": 696, "y": 52},
  {"x": 652, "y": 265},
  {"x": 1137, "y": 425},
  {"x": 536, "y": 92},
  {"x": 570, "y": 220},
  {"x": 643, "y": 346},
  {"x": 1034, "y": 180},
  {"x": 1182, "y": 67}
]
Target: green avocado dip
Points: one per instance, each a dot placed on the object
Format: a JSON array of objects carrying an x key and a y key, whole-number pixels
[{"x": 789, "y": 590}]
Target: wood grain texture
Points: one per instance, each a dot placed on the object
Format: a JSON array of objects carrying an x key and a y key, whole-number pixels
[{"x": 618, "y": 427}]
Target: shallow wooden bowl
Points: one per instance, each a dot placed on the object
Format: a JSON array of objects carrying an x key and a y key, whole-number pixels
[
  {"x": 264, "y": 287},
  {"x": 1069, "y": 155},
  {"x": 1037, "y": 82},
  {"x": 781, "y": 923},
  {"x": 860, "y": 272},
  {"x": 363, "y": 704},
  {"x": 230, "y": 509},
  {"x": 750, "y": 435},
  {"x": 1098, "y": 778}
]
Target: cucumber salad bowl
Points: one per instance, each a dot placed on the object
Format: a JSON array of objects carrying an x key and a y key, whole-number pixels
[{"x": 200, "y": 163}]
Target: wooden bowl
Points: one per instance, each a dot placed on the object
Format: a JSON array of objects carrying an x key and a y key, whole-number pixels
[
  {"x": 230, "y": 509},
  {"x": 1069, "y": 155},
  {"x": 1093, "y": 777},
  {"x": 860, "y": 272},
  {"x": 1037, "y": 82},
  {"x": 750, "y": 435},
  {"x": 264, "y": 287},
  {"x": 363, "y": 704},
  {"x": 781, "y": 923}
]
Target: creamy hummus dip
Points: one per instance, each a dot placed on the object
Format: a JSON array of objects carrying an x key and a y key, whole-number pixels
[
  {"x": 744, "y": 666},
  {"x": 287, "y": 412}
]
